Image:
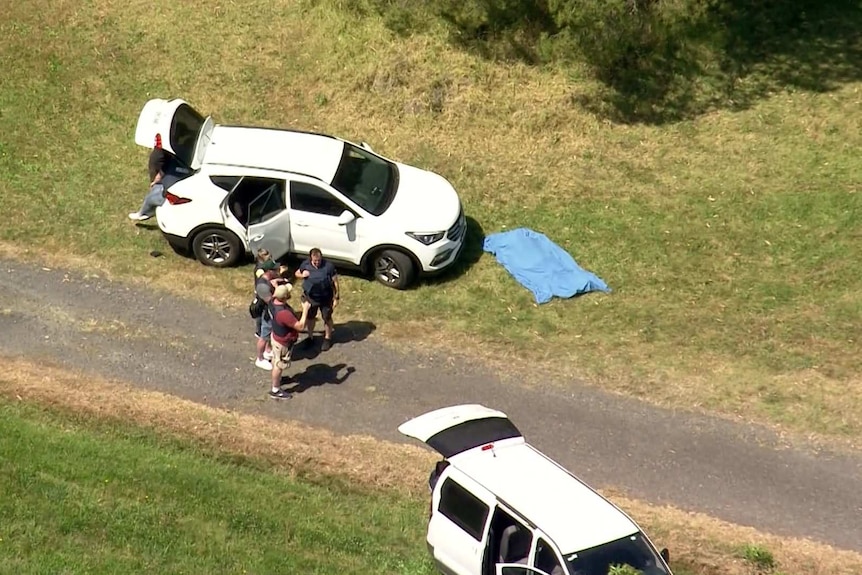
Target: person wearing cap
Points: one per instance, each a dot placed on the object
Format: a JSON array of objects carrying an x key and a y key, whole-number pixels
[
  {"x": 263, "y": 262},
  {"x": 285, "y": 333},
  {"x": 157, "y": 165}
]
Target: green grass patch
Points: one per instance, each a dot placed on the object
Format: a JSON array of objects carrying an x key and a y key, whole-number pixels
[
  {"x": 730, "y": 238},
  {"x": 105, "y": 499}
]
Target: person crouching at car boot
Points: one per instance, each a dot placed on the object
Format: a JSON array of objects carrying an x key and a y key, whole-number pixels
[
  {"x": 157, "y": 165},
  {"x": 285, "y": 333},
  {"x": 320, "y": 288}
]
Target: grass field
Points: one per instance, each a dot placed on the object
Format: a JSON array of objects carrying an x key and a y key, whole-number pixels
[
  {"x": 731, "y": 238},
  {"x": 120, "y": 500},
  {"x": 108, "y": 478}
]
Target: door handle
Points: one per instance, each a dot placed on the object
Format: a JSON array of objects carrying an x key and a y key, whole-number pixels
[
  {"x": 256, "y": 238},
  {"x": 301, "y": 225}
]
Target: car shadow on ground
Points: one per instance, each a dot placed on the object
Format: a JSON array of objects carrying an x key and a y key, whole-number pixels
[
  {"x": 347, "y": 332},
  {"x": 318, "y": 374}
]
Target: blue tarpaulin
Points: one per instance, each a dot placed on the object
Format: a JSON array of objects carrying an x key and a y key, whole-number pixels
[{"x": 540, "y": 265}]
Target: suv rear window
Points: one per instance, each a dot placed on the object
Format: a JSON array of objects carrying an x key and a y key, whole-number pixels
[
  {"x": 463, "y": 508},
  {"x": 185, "y": 128},
  {"x": 472, "y": 434}
]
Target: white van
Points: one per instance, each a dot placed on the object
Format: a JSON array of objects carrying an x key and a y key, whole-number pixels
[{"x": 500, "y": 506}]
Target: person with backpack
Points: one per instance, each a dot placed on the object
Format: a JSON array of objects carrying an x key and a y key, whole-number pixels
[
  {"x": 263, "y": 262},
  {"x": 264, "y": 286},
  {"x": 285, "y": 333}
]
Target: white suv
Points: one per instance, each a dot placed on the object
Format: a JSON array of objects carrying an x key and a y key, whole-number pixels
[
  {"x": 233, "y": 189},
  {"x": 500, "y": 506}
]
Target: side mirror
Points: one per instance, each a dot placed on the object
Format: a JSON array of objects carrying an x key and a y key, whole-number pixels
[
  {"x": 346, "y": 217},
  {"x": 665, "y": 554},
  {"x": 366, "y": 145}
]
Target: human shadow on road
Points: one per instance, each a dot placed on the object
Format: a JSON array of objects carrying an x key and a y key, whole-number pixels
[
  {"x": 319, "y": 374},
  {"x": 346, "y": 332}
]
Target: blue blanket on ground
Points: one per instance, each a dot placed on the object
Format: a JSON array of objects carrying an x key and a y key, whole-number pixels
[{"x": 540, "y": 265}]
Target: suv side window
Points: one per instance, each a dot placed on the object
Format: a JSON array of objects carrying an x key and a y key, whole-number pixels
[
  {"x": 310, "y": 198},
  {"x": 463, "y": 508},
  {"x": 263, "y": 196},
  {"x": 226, "y": 183}
]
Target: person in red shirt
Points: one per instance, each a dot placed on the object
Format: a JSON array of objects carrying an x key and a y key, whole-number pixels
[{"x": 285, "y": 332}]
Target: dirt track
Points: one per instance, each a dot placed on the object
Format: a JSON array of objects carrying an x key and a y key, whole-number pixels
[{"x": 738, "y": 473}]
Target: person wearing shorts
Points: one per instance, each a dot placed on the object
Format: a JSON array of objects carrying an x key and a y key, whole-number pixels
[
  {"x": 263, "y": 288},
  {"x": 320, "y": 288},
  {"x": 285, "y": 333}
]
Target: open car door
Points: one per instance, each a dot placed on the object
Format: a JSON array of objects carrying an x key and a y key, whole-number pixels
[
  {"x": 460, "y": 428},
  {"x": 268, "y": 223},
  {"x": 185, "y": 133}
]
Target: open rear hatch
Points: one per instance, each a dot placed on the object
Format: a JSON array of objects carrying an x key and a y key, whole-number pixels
[
  {"x": 459, "y": 428},
  {"x": 185, "y": 133}
]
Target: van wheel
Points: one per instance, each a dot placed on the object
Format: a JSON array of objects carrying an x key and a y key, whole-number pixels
[
  {"x": 217, "y": 247},
  {"x": 394, "y": 269}
]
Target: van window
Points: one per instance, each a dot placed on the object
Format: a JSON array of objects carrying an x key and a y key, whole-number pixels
[
  {"x": 463, "y": 508},
  {"x": 633, "y": 550},
  {"x": 546, "y": 559},
  {"x": 473, "y": 433}
]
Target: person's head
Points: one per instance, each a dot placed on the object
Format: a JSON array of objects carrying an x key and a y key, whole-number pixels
[
  {"x": 158, "y": 143},
  {"x": 282, "y": 292},
  {"x": 263, "y": 255},
  {"x": 315, "y": 256},
  {"x": 283, "y": 271}
]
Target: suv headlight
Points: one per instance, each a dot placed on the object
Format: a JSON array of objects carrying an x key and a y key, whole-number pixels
[{"x": 427, "y": 239}]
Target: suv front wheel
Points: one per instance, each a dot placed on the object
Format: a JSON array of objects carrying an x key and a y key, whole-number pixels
[
  {"x": 217, "y": 247},
  {"x": 393, "y": 268}
]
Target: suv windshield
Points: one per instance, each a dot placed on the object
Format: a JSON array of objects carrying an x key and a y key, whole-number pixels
[
  {"x": 367, "y": 179},
  {"x": 633, "y": 551}
]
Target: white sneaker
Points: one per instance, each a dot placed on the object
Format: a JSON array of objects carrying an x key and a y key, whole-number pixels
[
  {"x": 263, "y": 364},
  {"x": 267, "y": 355},
  {"x": 138, "y": 217}
]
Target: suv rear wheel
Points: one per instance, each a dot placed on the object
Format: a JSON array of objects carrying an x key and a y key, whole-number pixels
[
  {"x": 393, "y": 268},
  {"x": 217, "y": 247}
]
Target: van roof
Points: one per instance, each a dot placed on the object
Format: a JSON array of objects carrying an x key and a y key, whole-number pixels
[
  {"x": 546, "y": 494},
  {"x": 316, "y": 155}
]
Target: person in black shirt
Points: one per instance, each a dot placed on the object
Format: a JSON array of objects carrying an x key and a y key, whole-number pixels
[
  {"x": 320, "y": 288},
  {"x": 157, "y": 165}
]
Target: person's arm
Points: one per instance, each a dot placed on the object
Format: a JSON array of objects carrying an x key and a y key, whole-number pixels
[
  {"x": 263, "y": 292},
  {"x": 160, "y": 166},
  {"x": 300, "y": 323},
  {"x": 335, "y": 291},
  {"x": 301, "y": 272}
]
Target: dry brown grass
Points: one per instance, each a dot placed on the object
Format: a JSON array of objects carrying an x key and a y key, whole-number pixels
[{"x": 704, "y": 544}]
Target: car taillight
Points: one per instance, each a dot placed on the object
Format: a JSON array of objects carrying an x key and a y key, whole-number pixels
[{"x": 175, "y": 200}]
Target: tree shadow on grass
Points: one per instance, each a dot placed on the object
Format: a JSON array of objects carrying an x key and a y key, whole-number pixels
[
  {"x": 757, "y": 49},
  {"x": 656, "y": 66}
]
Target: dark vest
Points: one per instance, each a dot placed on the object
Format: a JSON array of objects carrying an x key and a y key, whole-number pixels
[{"x": 279, "y": 330}]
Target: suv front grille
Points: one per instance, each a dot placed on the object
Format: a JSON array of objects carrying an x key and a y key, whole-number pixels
[{"x": 456, "y": 232}]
